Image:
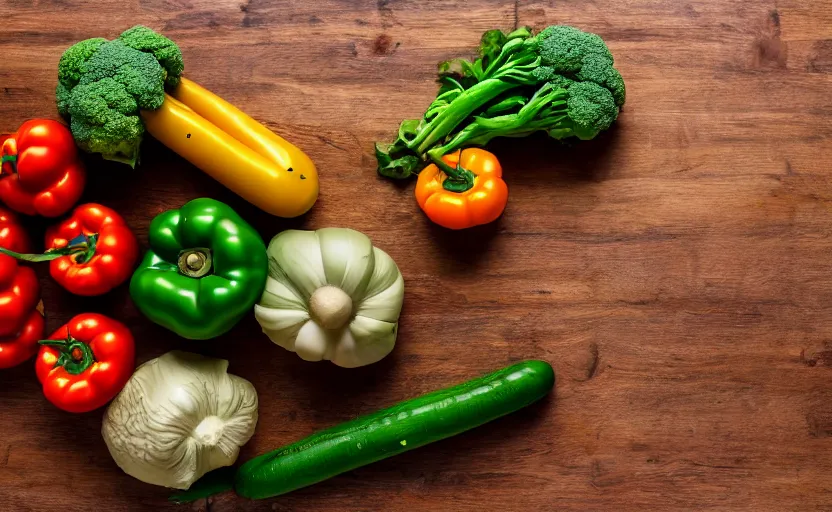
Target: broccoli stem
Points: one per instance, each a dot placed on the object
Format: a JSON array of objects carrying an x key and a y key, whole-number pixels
[
  {"x": 132, "y": 161},
  {"x": 546, "y": 110},
  {"x": 461, "y": 107},
  {"x": 511, "y": 69},
  {"x": 507, "y": 51}
]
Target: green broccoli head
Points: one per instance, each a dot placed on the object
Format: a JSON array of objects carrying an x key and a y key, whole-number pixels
[
  {"x": 581, "y": 56},
  {"x": 138, "y": 73},
  {"x": 71, "y": 67},
  {"x": 165, "y": 51},
  {"x": 591, "y": 110},
  {"x": 102, "y": 86},
  {"x": 565, "y": 48},
  {"x": 601, "y": 72},
  {"x": 73, "y": 62},
  {"x": 104, "y": 120},
  {"x": 555, "y": 54}
]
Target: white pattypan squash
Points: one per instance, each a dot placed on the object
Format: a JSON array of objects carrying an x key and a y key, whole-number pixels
[
  {"x": 331, "y": 295},
  {"x": 179, "y": 416}
]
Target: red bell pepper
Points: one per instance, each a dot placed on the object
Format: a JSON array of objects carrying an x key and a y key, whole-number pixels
[
  {"x": 19, "y": 348},
  {"x": 21, "y": 322},
  {"x": 99, "y": 250},
  {"x": 41, "y": 172},
  {"x": 85, "y": 363},
  {"x": 19, "y": 295},
  {"x": 12, "y": 234}
]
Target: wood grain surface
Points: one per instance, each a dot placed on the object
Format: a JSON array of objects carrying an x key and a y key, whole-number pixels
[{"x": 675, "y": 271}]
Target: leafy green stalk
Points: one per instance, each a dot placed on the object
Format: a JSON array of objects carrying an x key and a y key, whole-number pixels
[
  {"x": 561, "y": 81},
  {"x": 547, "y": 108},
  {"x": 583, "y": 110},
  {"x": 461, "y": 107}
]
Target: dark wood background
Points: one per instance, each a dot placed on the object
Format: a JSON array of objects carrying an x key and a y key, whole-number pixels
[{"x": 675, "y": 271}]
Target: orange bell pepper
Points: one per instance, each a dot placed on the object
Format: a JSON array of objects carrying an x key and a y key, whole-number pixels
[{"x": 468, "y": 189}]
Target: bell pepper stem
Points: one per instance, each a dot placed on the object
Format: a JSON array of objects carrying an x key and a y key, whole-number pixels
[
  {"x": 459, "y": 179},
  {"x": 75, "y": 356},
  {"x": 12, "y": 159},
  {"x": 195, "y": 262},
  {"x": 82, "y": 246}
]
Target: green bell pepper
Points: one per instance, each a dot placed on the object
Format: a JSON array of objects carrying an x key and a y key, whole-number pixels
[{"x": 206, "y": 268}]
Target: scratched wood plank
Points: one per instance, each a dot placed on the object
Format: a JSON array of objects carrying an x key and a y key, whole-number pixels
[{"x": 675, "y": 271}]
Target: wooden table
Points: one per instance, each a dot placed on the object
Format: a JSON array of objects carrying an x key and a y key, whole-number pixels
[{"x": 675, "y": 271}]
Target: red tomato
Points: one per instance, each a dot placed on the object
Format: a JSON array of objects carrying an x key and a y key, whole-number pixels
[{"x": 87, "y": 362}]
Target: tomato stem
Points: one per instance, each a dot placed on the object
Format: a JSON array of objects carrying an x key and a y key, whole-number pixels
[
  {"x": 76, "y": 357},
  {"x": 83, "y": 246}
]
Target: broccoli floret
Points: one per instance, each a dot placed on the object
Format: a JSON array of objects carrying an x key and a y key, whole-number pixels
[
  {"x": 102, "y": 86},
  {"x": 163, "y": 49},
  {"x": 601, "y": 72},
  {"x": 139, "y": 73},
  {"x": 104, "y": 120},
  {"x": 62, "y": 97},
  {"x": 583, "y": 56},
  {"x": 563, "y": 52},
  {"x": 73, "y": 62},
  {"x": 591, "y": 110},
  {"x": 565, "y": 48},
  {"x": 71, "y": 67}
]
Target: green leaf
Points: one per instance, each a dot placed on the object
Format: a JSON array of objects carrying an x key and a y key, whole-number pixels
[
  {"x": 401, "y": 168},
  {"x": 520, "y": 33},
  {"x": 461, "y": 68},
  {"x": 491, "y": 43},
  {"x": 394, "y": 163},
  {"x": 468, "y": 69},
  {"x": 408, "y": 130}
]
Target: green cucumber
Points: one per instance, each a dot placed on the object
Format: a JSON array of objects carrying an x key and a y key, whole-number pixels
[{"x": 405, "y": 426}]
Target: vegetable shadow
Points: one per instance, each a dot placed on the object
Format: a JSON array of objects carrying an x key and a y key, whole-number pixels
[
  {"x": 334, "y": 393},
  {"x": 546, "y": 162},
  {"x": 537, "y": 161},
  {"x": 465, "y": 247}
]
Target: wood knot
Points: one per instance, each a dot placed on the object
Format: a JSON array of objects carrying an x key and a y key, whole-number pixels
[
  {"x": 383, "y": 45},
  {"x": 817, "y": 356},
  {"x": 768, "y": 49}
]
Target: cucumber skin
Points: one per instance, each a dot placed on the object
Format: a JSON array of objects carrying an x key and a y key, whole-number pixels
[{"x": 380, "y": 435}]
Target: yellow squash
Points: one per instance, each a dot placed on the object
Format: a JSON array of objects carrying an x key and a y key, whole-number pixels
[{"x": 236, "y": 150}]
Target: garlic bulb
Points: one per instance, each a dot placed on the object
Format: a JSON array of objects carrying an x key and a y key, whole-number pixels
[
  {"x": 179, "y": 416},
  {"x": 331, "y": 295}
]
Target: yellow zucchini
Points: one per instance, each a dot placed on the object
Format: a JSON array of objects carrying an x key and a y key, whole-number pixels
[{"x": 236, "y": 150}]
